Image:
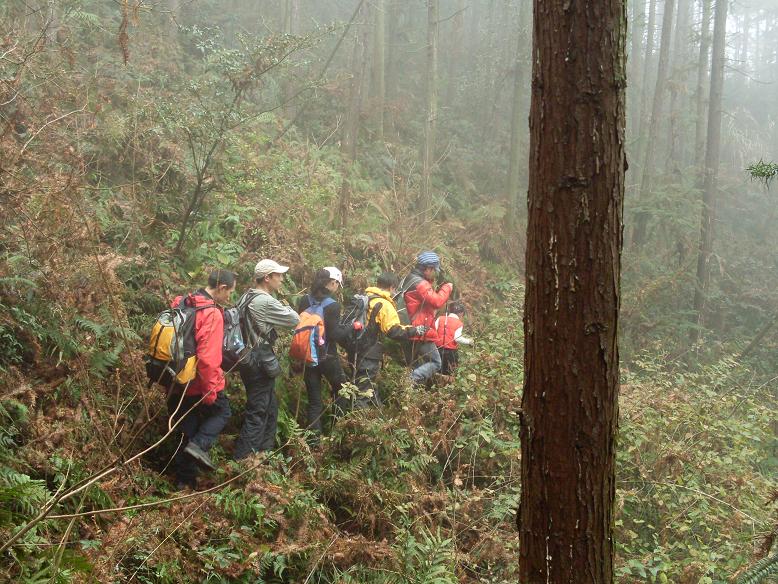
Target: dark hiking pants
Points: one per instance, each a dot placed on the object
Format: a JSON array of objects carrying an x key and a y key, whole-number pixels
[
  {"x": 332, "y": 371},
  {"x": 449, "y": 359},
  {"x": 261, "y": 416},
  {"x": 202, "y": 425},
  {"x": 367, "y": 371}
]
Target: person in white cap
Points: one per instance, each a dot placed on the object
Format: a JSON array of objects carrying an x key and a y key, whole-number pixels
[
  {"x": 326, "y": 282},
  {"x": 262, "y": 313}
]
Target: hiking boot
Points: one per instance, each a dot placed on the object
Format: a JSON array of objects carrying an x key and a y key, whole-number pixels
[
  {"x": 200, "y": 455},
  {"x": 182, "y": 485},
  {"x": 441, "y": 379}
]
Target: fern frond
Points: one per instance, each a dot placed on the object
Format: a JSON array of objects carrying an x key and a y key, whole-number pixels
[{"x": 763, "y": 569}]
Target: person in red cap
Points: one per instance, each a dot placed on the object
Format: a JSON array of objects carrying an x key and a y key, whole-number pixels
[{"x": 203, "y": 406}]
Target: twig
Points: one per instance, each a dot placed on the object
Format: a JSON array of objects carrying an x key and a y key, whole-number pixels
[
  {"x": 704, "y": 494},
  {"x": 63, "y": 116},
  {"x": 170, "y": 500},
  {"x": 332, "y": 541},
  {"x": 167, "y": 537}
]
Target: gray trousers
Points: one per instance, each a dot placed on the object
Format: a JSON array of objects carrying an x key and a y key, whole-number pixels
[{"x": 424, "y": 360}]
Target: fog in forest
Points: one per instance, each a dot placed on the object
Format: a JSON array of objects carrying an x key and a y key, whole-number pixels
[{"x": 610, "y": 402}]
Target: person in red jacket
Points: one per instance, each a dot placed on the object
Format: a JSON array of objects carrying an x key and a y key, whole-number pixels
[
  {"x": 422, "y": 302},
  {"x": 202, "y": 408},
  {"x": 449, "y": 329}
]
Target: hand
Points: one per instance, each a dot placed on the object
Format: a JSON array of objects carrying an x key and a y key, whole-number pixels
[
  {"x": 448, "y": 285},
  {"x": 209, "y": 398},
  {"x": 358, "y": 326},
  {"x": 421, "y": 330}
]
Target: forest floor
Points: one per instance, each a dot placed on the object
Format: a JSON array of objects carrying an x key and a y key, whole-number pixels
[{"x": 424, "y": 490}]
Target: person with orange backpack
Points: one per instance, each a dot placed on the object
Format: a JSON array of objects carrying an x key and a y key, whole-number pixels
[
  {"x": 201, "y": 408},
  {"x": 314, "y": 345}
]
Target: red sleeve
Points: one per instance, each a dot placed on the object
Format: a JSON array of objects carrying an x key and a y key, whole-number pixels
[
  {"x": 431, "y": 298},
  {"x": 209, "y": 335}
]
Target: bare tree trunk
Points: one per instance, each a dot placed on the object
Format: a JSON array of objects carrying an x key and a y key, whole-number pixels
[
  {"x": 641, "y": 218},
  {"x": 710, "y": 180},
  {"x": 702, "y": 76},
  {"x": 456, "y": 50},
  {"x": 679, "y": 76},
  {"x": 378, "y": 69},
  {"x": 350, "y": 138},
  {"x": 351, "y": 122},
  {"x": 574, "y": 241},
  {"x": 636, "y": 60},
  {"x": 646, "y": 79},
  {"x": 432, "y": 105},
  {"x": 518, "y": 159}
]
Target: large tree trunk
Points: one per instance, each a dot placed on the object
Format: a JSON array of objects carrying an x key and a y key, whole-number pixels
[
  {"x": 432, "y": 105},
  {"x": 641, "y": 218},
  {"x": 702, "y": 76},
  {"x": 710, "y": 179},
  {"x": 574, "y": 240}
]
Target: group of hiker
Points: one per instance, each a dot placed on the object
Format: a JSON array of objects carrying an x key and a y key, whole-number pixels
[{"x": 188, "y": 351}]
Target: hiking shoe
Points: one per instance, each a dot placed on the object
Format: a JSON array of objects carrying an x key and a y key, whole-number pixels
[
  {"x": 199, "y": 455},
  {"x": 183, "y": 485}
]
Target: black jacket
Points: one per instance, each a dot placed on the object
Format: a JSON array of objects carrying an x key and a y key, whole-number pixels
[{"x": 334, "y": 332}]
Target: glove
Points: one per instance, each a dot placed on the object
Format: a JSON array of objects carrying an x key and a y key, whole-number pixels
[
  {"x": 209, "y": 398},
  {"x": 420, "y": 330}
]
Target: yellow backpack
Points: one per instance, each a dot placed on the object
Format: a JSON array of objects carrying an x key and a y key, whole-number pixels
[{"x": 171, "y": 358}]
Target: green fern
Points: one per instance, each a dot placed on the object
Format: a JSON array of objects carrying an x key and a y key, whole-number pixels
[
  {"x": 760, "y": 571},
  {"x": 20, "y": 496}
]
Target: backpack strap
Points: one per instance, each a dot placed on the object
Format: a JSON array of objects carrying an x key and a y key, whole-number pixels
[{"x": 242, "y": 306}]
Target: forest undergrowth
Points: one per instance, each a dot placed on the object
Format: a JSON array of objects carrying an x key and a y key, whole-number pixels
[
  {"x": 97, "y": 168},
  {"x": 425, "y": 490}
]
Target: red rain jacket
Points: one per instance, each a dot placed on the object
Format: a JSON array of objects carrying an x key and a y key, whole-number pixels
[
  {"x": 422, "y": 302},
  {"x": 209, "y": 334},
  {"x": 447, "y": 327}
]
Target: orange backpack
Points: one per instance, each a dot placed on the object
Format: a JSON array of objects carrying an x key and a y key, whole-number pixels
[{"x": 309, "y": 333}]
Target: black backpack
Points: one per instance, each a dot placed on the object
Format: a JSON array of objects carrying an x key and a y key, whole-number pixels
[{"x": 357, "y": 311}]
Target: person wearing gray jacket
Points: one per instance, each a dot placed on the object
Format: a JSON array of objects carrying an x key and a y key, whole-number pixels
[{"x": 262, "y": 313}]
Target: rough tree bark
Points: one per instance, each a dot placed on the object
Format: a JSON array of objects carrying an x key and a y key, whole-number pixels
[
  {"x": 710, "y": 178},
  {"x": 573, "y": 259}
]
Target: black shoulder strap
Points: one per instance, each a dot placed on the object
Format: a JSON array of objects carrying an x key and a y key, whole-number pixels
[{"x": 242, "y": 307}]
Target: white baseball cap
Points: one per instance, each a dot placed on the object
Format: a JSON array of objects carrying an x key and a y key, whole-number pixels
[
  {"x": 335, "y": 274},
  {"x": 267, "y": 267}
]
